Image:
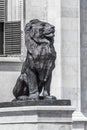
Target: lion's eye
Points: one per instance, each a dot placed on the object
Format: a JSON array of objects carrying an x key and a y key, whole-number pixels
[
  {"x": 30, "y": 27},
  {"x": 41, "y": 30},
  {"x": 43, "y": 24}
]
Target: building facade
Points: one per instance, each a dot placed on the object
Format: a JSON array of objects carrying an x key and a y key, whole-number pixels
[{"x": 69, "y": 77}]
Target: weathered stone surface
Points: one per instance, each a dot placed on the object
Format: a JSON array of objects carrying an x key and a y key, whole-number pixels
[
  {"x": 36, "y": 73},
  {"x": 36, "y": 118},
  {"x": 36, "y": 103}
]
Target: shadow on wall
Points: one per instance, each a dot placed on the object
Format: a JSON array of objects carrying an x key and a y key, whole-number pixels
[{"x": 83, "y": 15}]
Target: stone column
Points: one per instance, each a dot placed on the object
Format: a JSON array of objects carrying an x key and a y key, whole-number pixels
[
  {"x": 21, "y": 14},
  {"x": 80, "y": 117},
  {"x": 71, "y": 67},
  {"x": 70, "y": 46}
]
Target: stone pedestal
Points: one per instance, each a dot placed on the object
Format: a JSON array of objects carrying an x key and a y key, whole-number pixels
[{"x": 38, "y": 117}]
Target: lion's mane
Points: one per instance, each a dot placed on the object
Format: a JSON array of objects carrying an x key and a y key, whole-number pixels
[{"x": 39, "y": 39}]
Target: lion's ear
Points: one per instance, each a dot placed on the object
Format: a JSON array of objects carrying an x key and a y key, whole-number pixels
[
  {"x": 31, "y": 31},
  {"x": 27, "y": 27}
]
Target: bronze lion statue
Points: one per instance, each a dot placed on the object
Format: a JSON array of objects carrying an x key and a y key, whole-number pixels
[{"x": 36, "y": 73}]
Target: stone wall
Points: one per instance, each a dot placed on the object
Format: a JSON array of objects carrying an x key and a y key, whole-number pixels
[
  {"x": 9, "y": 71},
  {"x": 70, "y": 50},
  {"x": 13, "y": 12},
  {"x": 35, "y": 10},
  {"x": 54, "y": 17}
]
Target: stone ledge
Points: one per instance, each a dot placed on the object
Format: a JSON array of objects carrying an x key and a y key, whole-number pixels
[
  {"x": 36, "y": 103},
  {"x": 37, "y": 108},
  {"x": 36, "y": 117},
  {"x": 36, "y": 114},
  {"x": 11, "y": 59}
]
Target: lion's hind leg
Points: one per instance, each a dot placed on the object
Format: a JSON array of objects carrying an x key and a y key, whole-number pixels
[{"x": 21, "y": 88}]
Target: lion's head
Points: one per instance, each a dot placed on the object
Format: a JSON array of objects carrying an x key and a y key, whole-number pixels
[{"x": 40, "y": 32}]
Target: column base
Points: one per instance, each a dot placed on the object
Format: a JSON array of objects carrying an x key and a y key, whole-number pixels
[{"x": 79, "y": 121}]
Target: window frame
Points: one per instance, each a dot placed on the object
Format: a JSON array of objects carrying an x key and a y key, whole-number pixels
[{"x": 19, "y": 57}]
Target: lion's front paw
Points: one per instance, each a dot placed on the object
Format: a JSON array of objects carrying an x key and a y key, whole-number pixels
[
  {"x": 49, "y": 98},
  {"x": 34, "y": 96},
  {"x": 45, "y": 94},
  {"x": 23, "y": 98}
]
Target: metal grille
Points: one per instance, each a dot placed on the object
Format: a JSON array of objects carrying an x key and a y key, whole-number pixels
[
  {"x": 2, "y": 10},
  {"x": 12, "y": 38}
]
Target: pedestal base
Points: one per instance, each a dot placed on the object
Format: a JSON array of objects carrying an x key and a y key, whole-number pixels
[{"x": 46, "y": 117}]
